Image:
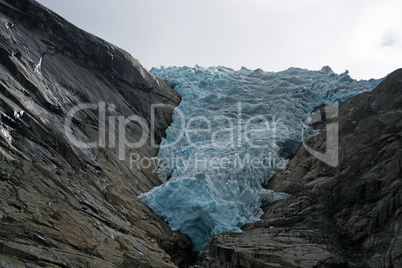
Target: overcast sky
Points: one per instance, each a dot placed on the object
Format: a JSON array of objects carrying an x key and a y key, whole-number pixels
[{"x": 362, "y": 36}]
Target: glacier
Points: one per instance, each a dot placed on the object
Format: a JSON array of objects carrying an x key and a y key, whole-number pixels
[{"x": 231, "y": 132}]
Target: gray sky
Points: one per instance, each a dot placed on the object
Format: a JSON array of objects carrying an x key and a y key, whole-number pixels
[{"x": 363, "y": 36}]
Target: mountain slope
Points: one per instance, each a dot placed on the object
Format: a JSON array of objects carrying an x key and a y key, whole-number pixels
[{"x": 66, "y": 205}]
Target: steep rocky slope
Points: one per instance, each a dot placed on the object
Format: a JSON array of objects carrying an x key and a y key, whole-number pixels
[
  {"x": 64, "y": 205},
  {"x": 343, "y": 216}
]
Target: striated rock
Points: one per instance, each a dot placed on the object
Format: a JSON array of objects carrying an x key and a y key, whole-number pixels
[
  {"x": 64, "y": 205},
  {"x": 343, "y": 216}
]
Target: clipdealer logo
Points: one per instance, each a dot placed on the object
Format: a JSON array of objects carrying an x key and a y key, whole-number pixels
[{"x": 112, "y": 130}]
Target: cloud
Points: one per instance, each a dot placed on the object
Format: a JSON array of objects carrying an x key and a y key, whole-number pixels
[{"x": 389, "y": 40}]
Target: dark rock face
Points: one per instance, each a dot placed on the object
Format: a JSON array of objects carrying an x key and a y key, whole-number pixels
[
  {"x": 69, "y": 206},
  {"x": 343, "y": 216}
]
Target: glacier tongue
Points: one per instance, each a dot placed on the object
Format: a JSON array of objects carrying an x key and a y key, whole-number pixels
[{"x": 232, "y": 131}]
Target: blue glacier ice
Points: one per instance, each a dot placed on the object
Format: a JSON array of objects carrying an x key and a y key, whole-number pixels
[{"x": 232, "y": 131}]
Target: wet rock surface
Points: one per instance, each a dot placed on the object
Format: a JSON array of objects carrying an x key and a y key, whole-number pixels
[
  {"x": 69, "y": 206},
  {"x": 343, "y": 216}
]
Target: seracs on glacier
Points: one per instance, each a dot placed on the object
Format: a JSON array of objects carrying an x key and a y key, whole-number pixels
[{"x": 232, "y": 131}]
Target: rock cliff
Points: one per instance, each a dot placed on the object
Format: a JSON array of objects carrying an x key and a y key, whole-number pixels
[
  {"x": 68, "y": 191},
  {"x": 343, "y": 216}
]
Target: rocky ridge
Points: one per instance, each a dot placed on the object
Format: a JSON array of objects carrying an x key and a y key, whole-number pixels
[
  {"x": 343, "y": 216},
  {"x": 69, "y": 206}
]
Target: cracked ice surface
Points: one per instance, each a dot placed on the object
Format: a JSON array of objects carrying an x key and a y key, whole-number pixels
[{"x": 232, "y": 131}]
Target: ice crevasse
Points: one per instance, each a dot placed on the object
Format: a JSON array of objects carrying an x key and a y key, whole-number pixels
[{"x": 232, "y": 131}]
